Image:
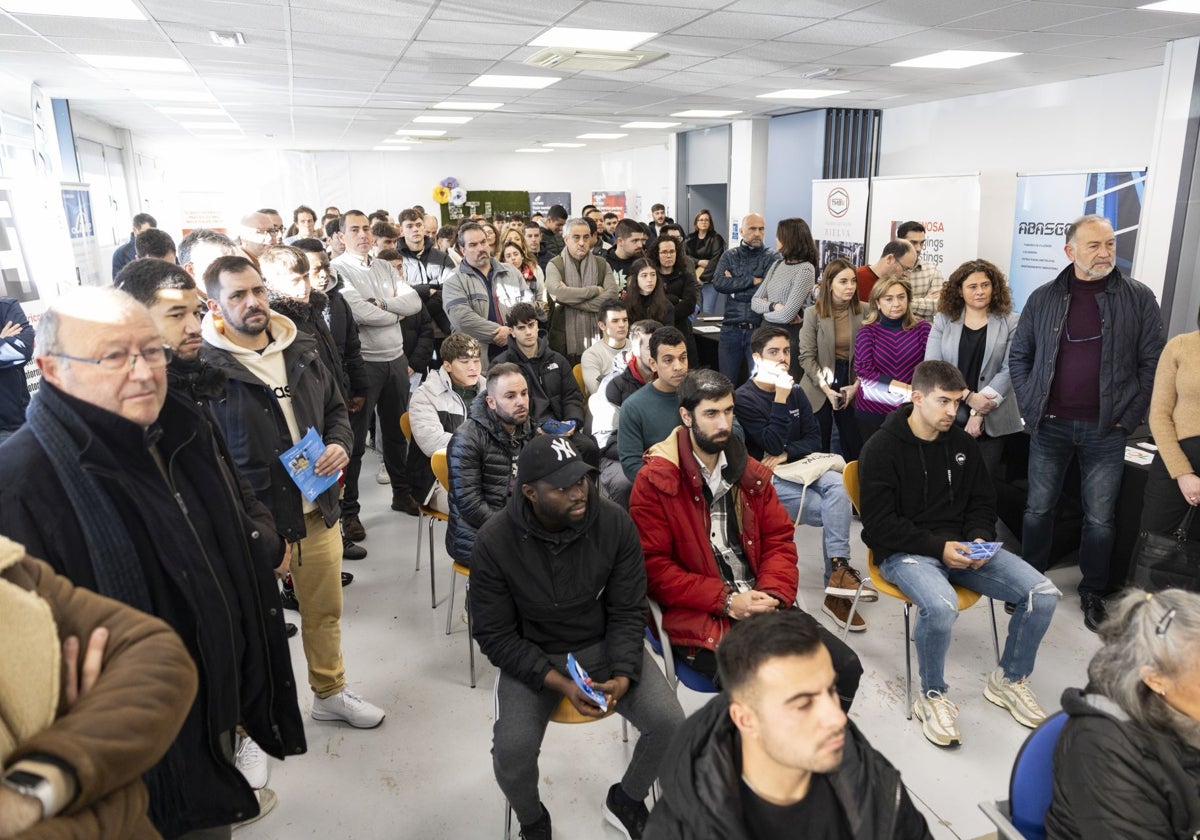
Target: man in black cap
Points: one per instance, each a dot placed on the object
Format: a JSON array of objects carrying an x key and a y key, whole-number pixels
[{"x": 560, "y": 571}]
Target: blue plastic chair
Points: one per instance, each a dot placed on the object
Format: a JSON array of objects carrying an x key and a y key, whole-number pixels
[
  {"x": 677, "y": 672},
  {"x": 1031, "y": 787}
]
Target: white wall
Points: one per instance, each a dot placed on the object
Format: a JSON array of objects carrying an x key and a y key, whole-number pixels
[{"x": 1097, "y": 123}]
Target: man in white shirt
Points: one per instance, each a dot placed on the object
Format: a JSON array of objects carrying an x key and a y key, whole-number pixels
[{"x": 598, "y": 359}]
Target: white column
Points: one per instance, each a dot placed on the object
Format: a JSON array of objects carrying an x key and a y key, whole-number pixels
[{"x": 747, "y": 171}]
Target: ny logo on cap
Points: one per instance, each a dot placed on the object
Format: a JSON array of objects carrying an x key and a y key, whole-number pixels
[{"x": 562, "y": 449}]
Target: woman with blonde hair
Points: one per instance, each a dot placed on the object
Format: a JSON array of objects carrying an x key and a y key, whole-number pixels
[
  {"x": 513, "y": 253},
  {"x": 887, "y": 349},
  {"x": 826, "y": 354}
]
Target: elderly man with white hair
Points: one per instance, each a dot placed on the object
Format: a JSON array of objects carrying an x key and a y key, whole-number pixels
[{"x": 738, "y": 274}]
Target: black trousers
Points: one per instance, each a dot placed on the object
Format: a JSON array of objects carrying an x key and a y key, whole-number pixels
[
  {"x": 387, "y": 393},
  {"x": 1164, "y": 506}
]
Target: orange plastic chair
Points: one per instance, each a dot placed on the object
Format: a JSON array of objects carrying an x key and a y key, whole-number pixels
[{"x": 428, "y": 516}]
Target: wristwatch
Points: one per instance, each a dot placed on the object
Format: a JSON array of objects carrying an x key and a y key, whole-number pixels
[{"x": 31, "y": 784}]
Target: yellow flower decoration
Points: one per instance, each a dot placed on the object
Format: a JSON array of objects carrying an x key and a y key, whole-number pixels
[{"x": 440, "y": 194}]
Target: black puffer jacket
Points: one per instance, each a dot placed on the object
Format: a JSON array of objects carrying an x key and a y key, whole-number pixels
[
  {"x": 701, "y": 799},
  {"x": 419, "y": 342},
  {"x": 535, "y": 592},
  {"x": 310, "y": 318},
  {"x": 1132, "y": 340},
  {"x": 1119, "y": 779},
  {"x": 553, "y": 391},
  {"x": 482, "y": 459}
]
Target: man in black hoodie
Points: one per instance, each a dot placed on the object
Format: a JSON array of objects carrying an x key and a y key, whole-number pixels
[
  {"x": 926, "y": 496},
  {"x": 775, "y": 750},
  {"x": 560, "y": 571}
]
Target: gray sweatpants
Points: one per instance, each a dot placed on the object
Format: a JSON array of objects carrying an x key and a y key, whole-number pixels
[{"x": 523, "y": 713}]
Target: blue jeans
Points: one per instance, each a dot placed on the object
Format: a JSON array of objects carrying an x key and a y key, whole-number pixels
[
  {"x": 1006, "y": 577},
  {"x": 826, "y": 506},
  {"x": 1101, "y": 465},
  {"x": 733, "y": 347},
  {"x": 708, "y": 299}
]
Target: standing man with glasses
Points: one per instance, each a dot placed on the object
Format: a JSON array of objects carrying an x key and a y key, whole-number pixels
[
  {"x": 925, "y": 279},
  {"x": 898, "y": 259},
  {"x": 1082, "y": 363},
  {"x": 113, "y": 481}
]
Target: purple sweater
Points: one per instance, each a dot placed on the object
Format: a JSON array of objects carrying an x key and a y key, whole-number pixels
[{"x": 882, "y": 352}]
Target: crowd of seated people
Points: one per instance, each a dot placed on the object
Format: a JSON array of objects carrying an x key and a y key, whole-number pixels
[{"x": 553, "y": 360}]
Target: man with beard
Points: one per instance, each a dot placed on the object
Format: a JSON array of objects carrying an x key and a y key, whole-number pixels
[
  {"x": 482, "y": 456},
  {"x": 558, "y": 570},
  {"x": 776, "y": 751},
  {"x": 738, "y": 274},
  {"x": 719, "y": 545},
  {"x": 277, "y": 389}
]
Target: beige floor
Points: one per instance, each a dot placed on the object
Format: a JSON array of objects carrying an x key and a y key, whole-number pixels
[{"x": 426, "y": 772}]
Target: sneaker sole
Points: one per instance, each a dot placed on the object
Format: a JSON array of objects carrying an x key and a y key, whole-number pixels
[
  {"x": 266, "y": 804},
  {"x": 869, "y": 596},
  {"x": 997, "y": 700},
  {"x": 611, "y": 819},
  {"x": 930, "y": 735},
  {"x": 326, "y": 716},
  {"x": 854, "y": 628}
]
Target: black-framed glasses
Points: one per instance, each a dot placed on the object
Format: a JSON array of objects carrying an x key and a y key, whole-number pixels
[
  {"x": 154, "y": 357},
  {"x": 1067, "y": 331}
]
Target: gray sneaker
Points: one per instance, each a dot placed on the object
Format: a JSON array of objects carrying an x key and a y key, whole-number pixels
[
  {"x": 1015, "y": 696},
  {"x": 937, "y": 715}
]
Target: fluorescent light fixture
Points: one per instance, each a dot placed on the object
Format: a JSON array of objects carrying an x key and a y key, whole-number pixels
[
  {"x": 1187, "y": 7},
  {"x": 223, "y": 137},
  {"x": 492, "y": 80},
  {"x": 389, "y": 148},
  {"x": 451, "y": 105},
  {"x": 535, "y": 151},
  {"x": 174, "y": 95},
  {"x": 189, "y": 112},
  {"x": 650, "y": 124},
  {"x": 408, "y": 140},
  {"x": 227, "y": 39},
  {"x": 137, "y": 62},
  {"x": 209, "y": 126},
  {"x": 801, "y": 93},
  {"x": 705, "y": 113},
  {"x": 955, "y": 59},
  {"x": 110, "y": 9},
  {"x": 566, "y": 145},
  {"x": 443, "y": 120},
  {"x": 595, "y": 39},
  {"x": 421, "y": 132},
  {"x": 599, "y": 135}
]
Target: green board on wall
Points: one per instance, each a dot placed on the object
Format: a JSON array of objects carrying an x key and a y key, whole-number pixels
[{"x": 488, "y": 203}]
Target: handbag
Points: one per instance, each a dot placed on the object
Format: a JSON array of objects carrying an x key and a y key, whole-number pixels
[
  {"x": 1165, "y": 561},
  {"x": 807, "y": 470}
]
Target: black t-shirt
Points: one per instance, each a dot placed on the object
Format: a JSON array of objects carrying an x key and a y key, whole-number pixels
[
  {"x": 817, "y": 816},
  {"x": 970, "y": 354}
]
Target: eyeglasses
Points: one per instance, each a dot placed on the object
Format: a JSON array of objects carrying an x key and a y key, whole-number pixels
[{"x": 154, "y": 357}]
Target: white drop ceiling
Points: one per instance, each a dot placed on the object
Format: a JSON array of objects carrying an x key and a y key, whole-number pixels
[{"x": 345, "y": 74}]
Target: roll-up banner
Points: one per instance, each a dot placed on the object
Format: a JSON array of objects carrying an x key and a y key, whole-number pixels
[
  {"x": 839, "y": 219},
  {"x": 948, "y": 207},
  {"x": 1048, "y": 203}
]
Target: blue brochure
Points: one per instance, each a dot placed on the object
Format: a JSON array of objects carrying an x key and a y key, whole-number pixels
[
  {"x": 581, "y": 679},
  {"x": 300, "y": 462},
  {"x": 983, "y": 550}
]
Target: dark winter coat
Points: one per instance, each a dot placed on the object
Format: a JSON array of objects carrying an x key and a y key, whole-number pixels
[
  {"x": 553, "y": 391},
  {"x": 743, "y": 263},
  {"x": 16, "y": 351}
]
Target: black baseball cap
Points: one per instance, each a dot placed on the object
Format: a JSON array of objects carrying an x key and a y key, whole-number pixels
[{"x": 551, "y": 458}]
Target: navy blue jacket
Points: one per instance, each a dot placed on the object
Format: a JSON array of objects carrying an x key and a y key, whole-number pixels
[
  {"x": 743, "y": 263},
  {"x": 772, "y": 427},
  {"x": 123, "y": 256},
  {"x": 15, "y": 353}
]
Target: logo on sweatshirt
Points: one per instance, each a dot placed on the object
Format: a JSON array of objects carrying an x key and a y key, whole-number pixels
[
  {"x": 960, "y": 458},
  {"x": 283, "y": 392}
]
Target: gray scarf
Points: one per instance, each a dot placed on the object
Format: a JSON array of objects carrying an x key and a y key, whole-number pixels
[{"x": 580, "y": 326}]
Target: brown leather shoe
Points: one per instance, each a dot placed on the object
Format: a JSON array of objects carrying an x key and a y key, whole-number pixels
[
  {"x": 839, "y": 610},
  {"x": 405, "y": 504},
  {"x": 352, "y": 529}
]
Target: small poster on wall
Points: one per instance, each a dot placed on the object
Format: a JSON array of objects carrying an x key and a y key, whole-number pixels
[
  {"x": 1046, "y": 206},
  {"x": 611, "y": 202},
  {"x": 541, "y": 202},
  {"x": 839, "y": 223}
]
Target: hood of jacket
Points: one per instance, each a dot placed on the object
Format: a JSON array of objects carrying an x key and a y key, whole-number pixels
[
  {"x": 517, "y": 353},
  {"x": 283, "y": 333},
  {"x": 676, "y": 450},
  {"x": 520, "y": 512},
  {"x": 197, "y": 378},
  {"x": 298, "y": 310},
  {"x": 479, "y": 412}
]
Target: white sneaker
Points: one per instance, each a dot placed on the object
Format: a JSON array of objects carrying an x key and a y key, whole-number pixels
[
  {"x": 251, "y": 761},
  {"x": 1017, "y": 697},
  {"x": 937, "y": 715},
  {"x": 382, "y": 476},
  {"x": 349, "y": 707}
]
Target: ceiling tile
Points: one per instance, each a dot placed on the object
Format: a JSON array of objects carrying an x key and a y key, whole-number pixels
[
  {"x": 764, "y": 27},
  {"x": 119, "y": 31},
  {"x": 1030, "y": 16},
  {"x": 926, "y": 12},
  {"x": 643, "y": 17},
  {"x": 851, "y": 33},
  {"x": 474, "y": 31}
]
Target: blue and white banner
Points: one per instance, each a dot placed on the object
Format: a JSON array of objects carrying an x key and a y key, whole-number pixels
[{"x": 1047, "y": 204}]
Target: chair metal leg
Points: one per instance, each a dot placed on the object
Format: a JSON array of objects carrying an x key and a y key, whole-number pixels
[
  {"x": 624, "y": 730},
  {"x": 470, "y": 629},
  {"x": 450, "y": 605},
  {"x": 853, "y": 610},
  {"x": 432, "y": 584},
  {"x": 995, "y": 632},
  {"x": 420, "y": 522},
  {"x": 507, "y": 820},
  {"x": 907, "y": 665}
]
